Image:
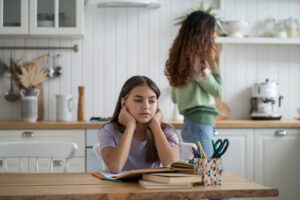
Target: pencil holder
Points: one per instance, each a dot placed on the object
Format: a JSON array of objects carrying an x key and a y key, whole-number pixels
[{"x": 209, "y": 169}]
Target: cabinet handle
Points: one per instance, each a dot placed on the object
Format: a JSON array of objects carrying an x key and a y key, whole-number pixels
[
  {"x": 280, "y": 132},
  {"x": 216, "y": 133},
  {"x": 28, "y": 134},
  {"x": 58, "y": 162}
]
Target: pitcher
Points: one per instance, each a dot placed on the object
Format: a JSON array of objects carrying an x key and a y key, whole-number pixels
[{"x": 64, "y": 107}]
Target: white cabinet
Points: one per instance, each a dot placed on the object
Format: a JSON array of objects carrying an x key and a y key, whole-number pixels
[
  {"x": 277, "y": 161},
  {"x": 14, "y": 17},
  {"x": 76, "y": 164},
  {"x": 239, "y": 155},
  {"x": 42, "y": 17}
]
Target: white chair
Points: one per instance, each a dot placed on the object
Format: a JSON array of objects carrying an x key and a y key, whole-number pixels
[
  {"x": 185, "y": 154},
  {"x": 37, "y": 149},
  {"x": 98, "y": 153}
]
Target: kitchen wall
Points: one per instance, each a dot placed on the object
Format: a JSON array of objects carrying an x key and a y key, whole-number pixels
[{"x": 119, "y": 43}]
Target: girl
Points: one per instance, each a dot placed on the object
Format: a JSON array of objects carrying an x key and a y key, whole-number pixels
[
  {"x": 136, "y": 138},
  {"x": 194, "y": 78}
]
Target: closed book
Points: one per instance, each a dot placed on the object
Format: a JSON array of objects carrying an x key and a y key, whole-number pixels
[
  {"x": 172, "y": 177},
  {"x": 160, "y": 186}
]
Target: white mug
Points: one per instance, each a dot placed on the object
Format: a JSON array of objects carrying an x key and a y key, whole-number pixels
[{"x": 64, "y": 107}]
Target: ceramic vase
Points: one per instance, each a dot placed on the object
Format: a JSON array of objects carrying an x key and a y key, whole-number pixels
[{"x": 29, "y": 111}]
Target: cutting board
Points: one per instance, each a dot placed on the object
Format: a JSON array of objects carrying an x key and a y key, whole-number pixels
[{"x": 224, "y": 110}]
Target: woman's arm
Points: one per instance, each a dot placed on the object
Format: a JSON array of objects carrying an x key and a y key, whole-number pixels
[
  {"x": 167, "y": 153},
  {"x": 116, "y": 157},
  {"x": 212, "y": 84}
]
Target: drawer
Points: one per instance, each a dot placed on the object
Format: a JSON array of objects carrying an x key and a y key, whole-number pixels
[{"x": 76, "y": 136}]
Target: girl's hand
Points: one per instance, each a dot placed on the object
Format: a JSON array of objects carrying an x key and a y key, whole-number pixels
[
  {"x": 125, "y": 118},
  {"x": 157, "y": 119}
]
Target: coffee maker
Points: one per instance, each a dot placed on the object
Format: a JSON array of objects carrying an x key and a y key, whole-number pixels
[{"x": 265, "y": 101}]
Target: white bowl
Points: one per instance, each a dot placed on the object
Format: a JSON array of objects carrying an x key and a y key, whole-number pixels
[{"x": 235, "y": 28}]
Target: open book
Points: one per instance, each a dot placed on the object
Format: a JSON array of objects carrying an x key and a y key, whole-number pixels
[{"x": 178, "y": 166}]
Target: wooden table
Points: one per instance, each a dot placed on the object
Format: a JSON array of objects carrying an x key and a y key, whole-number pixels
[{"x": 64, "y": 186}]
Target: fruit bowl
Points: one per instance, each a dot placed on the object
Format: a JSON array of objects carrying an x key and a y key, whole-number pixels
[{"x": 235, "y": 28}]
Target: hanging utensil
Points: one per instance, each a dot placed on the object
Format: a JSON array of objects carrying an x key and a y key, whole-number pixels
[{"x": 11, "y": 95}]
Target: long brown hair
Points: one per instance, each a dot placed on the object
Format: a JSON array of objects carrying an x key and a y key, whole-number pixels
[
  {"x": 194, "y": 44},
  {"x": 152, "y": 155}
]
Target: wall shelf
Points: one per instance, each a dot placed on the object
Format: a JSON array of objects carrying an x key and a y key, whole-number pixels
[{"x": 258, "y": 40}]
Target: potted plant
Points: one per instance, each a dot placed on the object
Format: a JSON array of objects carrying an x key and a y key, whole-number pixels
[{"x": 210, "y": 10}]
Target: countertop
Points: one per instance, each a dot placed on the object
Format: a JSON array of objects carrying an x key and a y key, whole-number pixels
[{"x": 176, "y": 124}]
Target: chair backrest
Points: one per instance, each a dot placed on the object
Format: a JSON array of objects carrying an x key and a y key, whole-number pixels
[
  {"x": 185, "y": 154},
  {"x": 36, "y": 150},
  {"x": 97, "y": 152}
]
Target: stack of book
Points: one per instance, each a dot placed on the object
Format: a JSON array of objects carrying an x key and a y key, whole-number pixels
[{"x": 168, "y": 180}]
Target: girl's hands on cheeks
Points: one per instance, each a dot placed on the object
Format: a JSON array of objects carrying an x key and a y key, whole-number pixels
[
  {"x": 157, "y": 119},
  {"x": 125, "y": 118}
]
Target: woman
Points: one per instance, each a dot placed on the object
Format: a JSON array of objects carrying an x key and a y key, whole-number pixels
[{"x": 195, "y": 80}]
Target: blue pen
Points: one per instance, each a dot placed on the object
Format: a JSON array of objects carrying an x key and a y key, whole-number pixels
[{"x": 199, "y": 152}]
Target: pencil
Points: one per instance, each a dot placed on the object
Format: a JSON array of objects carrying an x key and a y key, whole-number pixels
[
  {"x": 202, "y": 151},
  {"x": 96, "y": 175}
]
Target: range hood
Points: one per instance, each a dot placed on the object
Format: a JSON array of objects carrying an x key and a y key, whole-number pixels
[{"x": 124, "y": 3}]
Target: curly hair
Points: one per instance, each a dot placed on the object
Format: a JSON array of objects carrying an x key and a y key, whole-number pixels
[{"x": 192, "y": 49}]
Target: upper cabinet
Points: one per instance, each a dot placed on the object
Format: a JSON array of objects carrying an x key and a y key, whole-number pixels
[
  {"x": 14, "y": 17},
  {"x": 42, "y": 17}
]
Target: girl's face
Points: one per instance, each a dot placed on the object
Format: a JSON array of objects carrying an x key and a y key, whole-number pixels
[{"x": 141, "y": 103}]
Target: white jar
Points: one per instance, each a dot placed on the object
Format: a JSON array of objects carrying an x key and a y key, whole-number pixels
[{"x": 29, "y": 111}]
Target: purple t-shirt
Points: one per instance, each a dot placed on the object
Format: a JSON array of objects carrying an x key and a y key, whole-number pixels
[{"x": 109, "y": 136}]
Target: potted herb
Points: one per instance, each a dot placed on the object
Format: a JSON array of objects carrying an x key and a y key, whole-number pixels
[{"x": 210, "y": 10}]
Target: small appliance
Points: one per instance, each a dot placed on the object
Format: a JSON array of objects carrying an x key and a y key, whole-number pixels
[{"x": 265, "y": 101}]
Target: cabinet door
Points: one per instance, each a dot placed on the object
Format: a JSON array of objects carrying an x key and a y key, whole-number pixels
[
  {"x": 277, "y": 161},
  {"x": 56, "y": 17},
  {"x": 14, "y": 17},
  {"x": 239, "y": 156}
]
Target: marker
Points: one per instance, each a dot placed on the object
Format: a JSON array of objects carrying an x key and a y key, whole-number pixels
[
  {"x": 109, "y": 179},
  {"x": 96, "y": 175}
]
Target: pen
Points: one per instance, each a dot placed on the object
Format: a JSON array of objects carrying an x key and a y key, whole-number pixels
[
  {"x": 195, "y": 152},
  {"x": 96, "y": 175},
  {"x": 109, "y": 179},
  {"x": 192, "y": 152}
]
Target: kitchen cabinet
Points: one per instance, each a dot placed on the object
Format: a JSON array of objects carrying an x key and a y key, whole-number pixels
[
  {"x": 277, "y": 160},
  {"x": 239, "y": 155},
  {"x": 14, "y": 17},
  {"x": 42, "y": 17},
  {"x": 76, "y": 164}
]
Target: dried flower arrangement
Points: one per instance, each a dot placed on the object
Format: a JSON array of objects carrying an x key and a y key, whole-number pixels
[{"x": 29, "y": 74}]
